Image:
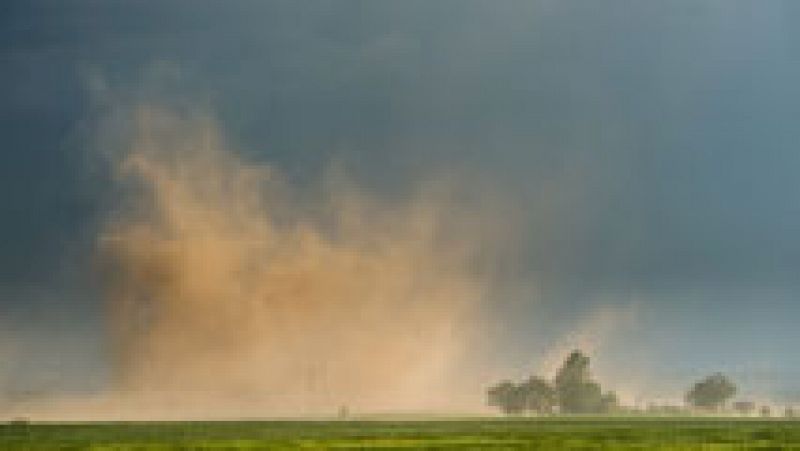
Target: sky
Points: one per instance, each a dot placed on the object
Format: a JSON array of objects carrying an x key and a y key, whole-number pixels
[{"x": 645, "y": 152}]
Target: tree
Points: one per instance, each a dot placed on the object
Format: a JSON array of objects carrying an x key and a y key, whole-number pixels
[
  {"x": 574, "y": 371},
  {"x": 711, "y": 392},
  {"x": 539, "y": 395},
  {"x": 609, "y": 402},
  {"x": 744, "y": 407},
  {"x": 575, "y": 390},
  {"x": 508, "y": 397}
]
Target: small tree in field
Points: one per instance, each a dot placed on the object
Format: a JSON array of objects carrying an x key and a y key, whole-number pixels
[
  {"x": 539, "y": 395},
  {"x": 711, "y": 393},
  {"x": 508, "y": 397},
  {"x": 577, "y": 392},
  {"x": 744, "y": 407}
]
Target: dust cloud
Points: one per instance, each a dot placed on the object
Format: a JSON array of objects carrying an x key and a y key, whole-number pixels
[{"x": 231, "y": 293}]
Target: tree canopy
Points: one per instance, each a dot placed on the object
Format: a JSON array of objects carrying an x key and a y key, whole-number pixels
[
  {"x": 711, "y": 392},
  {"x": 539, "y": 395},
  {"x": 508, "y": 397},
  {"x": 575, "y": 389}
]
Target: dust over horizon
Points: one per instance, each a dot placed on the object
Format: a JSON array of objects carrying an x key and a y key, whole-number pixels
[{"x": 230, "y": 293}]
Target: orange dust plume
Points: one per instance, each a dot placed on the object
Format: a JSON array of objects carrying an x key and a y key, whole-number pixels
[{"x": 230, "y": 293}]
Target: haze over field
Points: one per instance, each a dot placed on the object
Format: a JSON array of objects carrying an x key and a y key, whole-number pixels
[
  {"x": 225, "y": 285},
  {"x": 272, "y": 208},
  {"x": 228, "y": 294}
]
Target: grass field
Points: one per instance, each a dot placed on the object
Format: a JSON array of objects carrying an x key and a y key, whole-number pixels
[{"x": 548, "y": 433}]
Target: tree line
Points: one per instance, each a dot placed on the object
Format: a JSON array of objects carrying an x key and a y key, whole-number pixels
[{"x": 573, "y": 391}]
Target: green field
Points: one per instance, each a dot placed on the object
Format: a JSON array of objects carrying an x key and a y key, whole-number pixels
[{"x": 548, "y": 433}]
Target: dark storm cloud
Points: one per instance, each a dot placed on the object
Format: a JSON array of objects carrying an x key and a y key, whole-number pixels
[{"x": 666, "y": 131}]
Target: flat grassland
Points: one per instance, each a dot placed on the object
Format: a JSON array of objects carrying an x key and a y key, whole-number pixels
[{"x": 532, "y": 433}]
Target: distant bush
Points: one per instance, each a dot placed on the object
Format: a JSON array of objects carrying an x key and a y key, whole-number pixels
[{"x": 711, "y": 393}]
